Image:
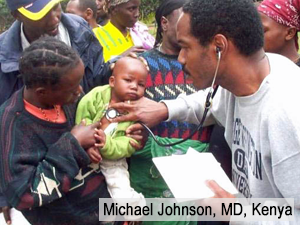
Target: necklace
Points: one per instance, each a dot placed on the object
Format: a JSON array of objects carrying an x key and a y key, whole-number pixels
[{"x": 47, "y": 118}]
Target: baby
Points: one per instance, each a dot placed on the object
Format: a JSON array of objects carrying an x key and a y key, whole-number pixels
[{"x": 127, "y": 83}]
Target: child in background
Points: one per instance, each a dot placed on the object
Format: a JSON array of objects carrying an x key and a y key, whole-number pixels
[{"x": 127, "y": 83}]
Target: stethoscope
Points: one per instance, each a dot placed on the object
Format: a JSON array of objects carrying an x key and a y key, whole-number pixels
[{"x": 112, "y": 113}]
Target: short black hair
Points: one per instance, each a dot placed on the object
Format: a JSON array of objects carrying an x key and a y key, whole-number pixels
[
  {"x": 46, "y": 61},
  {"x": 165, "y": 8},
  {"x": 238, "y": 20},
  {"x": 85, "y": 4}
]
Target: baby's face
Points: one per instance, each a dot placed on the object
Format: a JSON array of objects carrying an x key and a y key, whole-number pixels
[{"x": 129, "y": 79}]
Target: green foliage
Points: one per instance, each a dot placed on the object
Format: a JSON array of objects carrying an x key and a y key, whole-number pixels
[
  {"x": 6, "y": 19},
  {"x": 147, "y": 14},
  {"x": 147, "y": 9}
]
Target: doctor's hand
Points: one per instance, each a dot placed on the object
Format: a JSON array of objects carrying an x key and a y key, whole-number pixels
[
  {"x": 145, "y": 110},
  {"x": 219, "y": 192},
  {"x": 6, "y": 213}
]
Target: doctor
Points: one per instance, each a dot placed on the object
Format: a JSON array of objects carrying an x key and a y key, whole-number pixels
[{"x": 255, "y": 101}]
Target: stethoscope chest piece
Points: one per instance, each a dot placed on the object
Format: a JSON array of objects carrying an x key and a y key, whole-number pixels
[{"x": 111, "y": 114}]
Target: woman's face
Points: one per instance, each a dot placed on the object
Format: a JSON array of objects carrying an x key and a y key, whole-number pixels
[
  {"x": 100, "y": 10},
  {"x": 68, "y": 90},
  {"x": 126, "y": 14},
  {"x": 274, "y": 34}
]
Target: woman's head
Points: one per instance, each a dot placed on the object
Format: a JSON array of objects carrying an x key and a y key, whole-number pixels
[
  {"x": 165, "y": 11},
  {"x": 128, "y": 80},
  {"x": 280, "y": 19},
  {"x": 52, "y": 70},
  {"x": 123, "y": 13}
]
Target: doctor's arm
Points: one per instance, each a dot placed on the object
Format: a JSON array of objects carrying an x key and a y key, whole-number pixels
[{"x": 188, "y": 108}]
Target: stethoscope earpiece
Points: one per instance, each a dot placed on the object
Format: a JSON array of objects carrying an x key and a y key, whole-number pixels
[{"x": 218, "y": 51}]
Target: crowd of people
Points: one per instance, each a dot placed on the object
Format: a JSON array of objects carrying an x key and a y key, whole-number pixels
[{"x": 73, "y": 84}]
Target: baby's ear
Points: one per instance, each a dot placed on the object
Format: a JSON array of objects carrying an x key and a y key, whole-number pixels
[{"x": 112, "y": 81}]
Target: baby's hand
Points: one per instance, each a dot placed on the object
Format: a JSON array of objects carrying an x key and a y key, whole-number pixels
[
  {"x": 94, "y": 154},
  {"x": 85, "y": 135},
  {"x": 100, "y": 138}
]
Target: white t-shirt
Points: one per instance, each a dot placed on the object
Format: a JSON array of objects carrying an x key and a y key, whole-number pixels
[
  {"x": 63, "y": 35},
  {"x": 262, "y": 130}
]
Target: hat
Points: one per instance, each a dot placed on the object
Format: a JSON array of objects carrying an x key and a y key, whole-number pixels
[
  {"x": 285, "y": 12},
  {"x": 117, "y": 2},
  {"x": 110, "y": 3},
  {"x": 32, "y": 9}
]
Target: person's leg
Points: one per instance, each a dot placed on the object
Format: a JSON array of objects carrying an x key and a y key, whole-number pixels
[{"x": 118, "y": 184}]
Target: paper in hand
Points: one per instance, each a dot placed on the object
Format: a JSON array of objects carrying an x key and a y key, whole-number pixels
[{"x": 186, "y": 174}]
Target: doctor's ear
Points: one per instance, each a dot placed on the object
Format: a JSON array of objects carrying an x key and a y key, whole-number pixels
[{"x": 220, "y": 43}]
